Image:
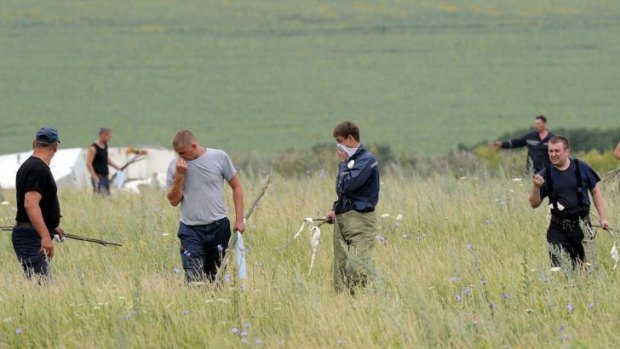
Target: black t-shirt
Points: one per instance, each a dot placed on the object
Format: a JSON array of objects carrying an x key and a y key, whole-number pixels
[
  {"x": 100, "y": 161},
  {"x": 35, "y": 175},
  {"x": 565, "y": 185}
]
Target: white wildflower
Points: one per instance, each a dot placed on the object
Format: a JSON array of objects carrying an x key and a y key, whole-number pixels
[
  {"x": 399, "y": 220},
  {"x": 614, "y": 255}
]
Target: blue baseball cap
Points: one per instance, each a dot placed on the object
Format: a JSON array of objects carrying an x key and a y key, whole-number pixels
[{"x": 47, "y": 135}]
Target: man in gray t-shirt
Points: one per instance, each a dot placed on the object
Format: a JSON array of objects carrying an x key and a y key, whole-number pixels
[{"x": 196, "y": 181}]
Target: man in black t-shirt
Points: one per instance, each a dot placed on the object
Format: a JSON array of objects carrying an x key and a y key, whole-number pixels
[
  {"x": 566, "y": 182},
  {"x": 536, "y": 143},
  {"x": 97, "y": 162},
  {"x": 38, "y": 210}
]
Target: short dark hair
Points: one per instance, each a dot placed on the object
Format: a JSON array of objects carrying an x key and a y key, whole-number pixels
[
  {"x": 104, "y": 130},
  {"x": 346, "y": 129},
  {"x": 559, "y": 139},
  {"x": 183, "y": 138},
  {"x": 541, "y": 118}
]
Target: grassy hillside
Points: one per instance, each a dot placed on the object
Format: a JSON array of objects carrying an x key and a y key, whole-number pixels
[
  {"x": 269, "y": 75},
  {"x": 467, "y": 268}
]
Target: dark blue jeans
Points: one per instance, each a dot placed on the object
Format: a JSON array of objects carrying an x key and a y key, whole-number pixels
[
  {"x": 202, "y": 249},
  {"x": 27, "y": 245},
  {"x": 103, "y": 187}
]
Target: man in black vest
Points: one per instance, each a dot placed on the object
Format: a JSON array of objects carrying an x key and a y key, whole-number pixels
[
  {"x": 97, "y": 162},
  {"x": 536, "y": 143},
  {"x": 38, "y": 210},
  {"x": 566, "y": 182}
]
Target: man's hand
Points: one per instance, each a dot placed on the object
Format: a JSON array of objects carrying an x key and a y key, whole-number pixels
[
  {"x": 60, "y": 232},
  {"x": 240, "y": 227},
  {"x": 47, "y": 247},
  {"x": 341, "y": 154},
  {"x": 181, "y": 165},
  {"x": 538, "y": 181},
  {"x": 330, "y": 217},
  {"x": 96, "y": 180},
  {"x": 496, "y": 145},
  {"x": 605, "y": 224}
]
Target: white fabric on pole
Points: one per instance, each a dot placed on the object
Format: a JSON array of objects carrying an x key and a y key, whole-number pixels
[
  {"x": 240, "y": 254},
  {"x": 120, "y": 179},
  {"x": 314, "y": 241}
]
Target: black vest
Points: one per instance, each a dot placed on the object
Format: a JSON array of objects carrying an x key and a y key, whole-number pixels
[{"x": 100, "y": 162}]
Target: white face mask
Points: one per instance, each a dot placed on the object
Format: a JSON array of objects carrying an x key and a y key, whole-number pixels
[{"x": 346, "y": 150}]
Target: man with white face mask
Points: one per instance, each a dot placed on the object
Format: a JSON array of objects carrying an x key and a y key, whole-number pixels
[{"x": 353, "y": 214}]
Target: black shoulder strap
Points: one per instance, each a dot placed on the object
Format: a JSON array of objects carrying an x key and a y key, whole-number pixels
[
  {"x": 579, "y": 184},
  {"x": 552, "y": 198}
]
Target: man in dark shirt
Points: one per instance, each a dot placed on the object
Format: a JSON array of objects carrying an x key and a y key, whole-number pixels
[
  {"x": 97, "y": 162},
  {"x": 357, "y": 187},
  {"x": 38, "y": 210},
  {"x": 566, "y": 182},
  {"x": 536, "y": 143}
]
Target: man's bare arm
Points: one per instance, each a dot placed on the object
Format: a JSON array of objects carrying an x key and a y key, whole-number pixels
[{"x": 237, "y": 189}]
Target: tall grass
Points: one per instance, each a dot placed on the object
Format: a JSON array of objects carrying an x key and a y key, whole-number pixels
[{"x": 467, "y": 268}]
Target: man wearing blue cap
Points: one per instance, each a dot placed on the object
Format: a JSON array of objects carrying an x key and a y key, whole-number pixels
[{"x": 38, "y": 210}]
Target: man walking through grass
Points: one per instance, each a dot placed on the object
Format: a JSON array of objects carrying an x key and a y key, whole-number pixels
[
  {"x": 353, "y": 214},
  {"x": 38, "y": 209},
  {"x": 566, "y": 182},
  {"x": 536, "y": 143},
  {"x": 196, "y": 181}
]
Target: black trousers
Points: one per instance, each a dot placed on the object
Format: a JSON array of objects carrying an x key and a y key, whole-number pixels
[
  {"x": 566, "y": 238},
  {"x": 27, "y": 246},
  {"x": 202, "y": 248}
]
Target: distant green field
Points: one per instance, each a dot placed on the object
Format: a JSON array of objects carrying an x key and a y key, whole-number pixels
[{"x": 268, "y": 75}]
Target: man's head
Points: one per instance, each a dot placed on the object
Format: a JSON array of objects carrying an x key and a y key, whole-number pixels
[
  {"x": 185, "y": 144},
  {"x": 540, "y": 123},
  {"x": 46, "y": 138},
  {"x": 347, "y": 134},
  {"x": 105, "y": 134},
  {"x": 559, "y": 150}
]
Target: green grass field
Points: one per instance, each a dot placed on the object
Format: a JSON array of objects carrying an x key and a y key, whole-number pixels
[
  {"x": 467, "y": 268},
  {"x": 264, "y": 76}
]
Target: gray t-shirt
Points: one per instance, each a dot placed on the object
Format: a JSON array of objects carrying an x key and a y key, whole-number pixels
[{"x": 203, "y": 187}]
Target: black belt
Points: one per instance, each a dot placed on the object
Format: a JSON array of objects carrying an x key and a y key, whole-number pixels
[
  {"x": 24, "y": 225},
  {"x": 569, "y": 222}
]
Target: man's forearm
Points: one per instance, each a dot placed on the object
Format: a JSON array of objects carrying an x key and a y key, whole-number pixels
[
  {"x": 175, "y": 194},
  {"x": 535, "y": 199},
  {"x": 36, "y": 219},
  {"x": 91, "y": 170},
  {"x": 238, "y": 202},
  {"x": 599, "y": 203}
]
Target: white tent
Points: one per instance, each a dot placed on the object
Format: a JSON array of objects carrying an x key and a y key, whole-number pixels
[{"x": 69, "y": 166}]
